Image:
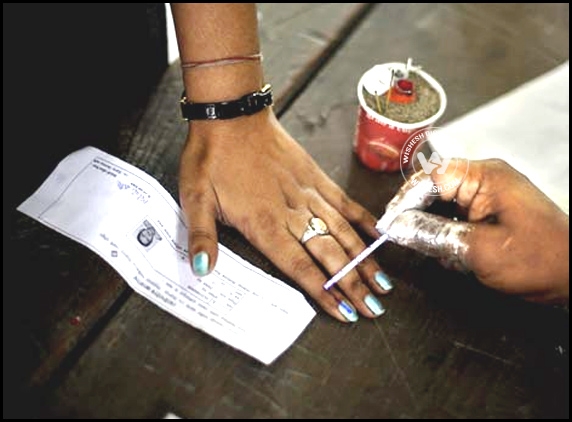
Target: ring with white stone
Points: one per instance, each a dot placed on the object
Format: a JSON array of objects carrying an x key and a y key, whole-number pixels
[{"x": 316, "y": 227}]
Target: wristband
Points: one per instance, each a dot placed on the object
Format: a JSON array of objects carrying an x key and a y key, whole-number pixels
[{"x": 244, "y": 106}]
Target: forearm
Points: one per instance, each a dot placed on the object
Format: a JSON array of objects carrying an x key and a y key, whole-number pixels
[{"x": 207, "y": 31}]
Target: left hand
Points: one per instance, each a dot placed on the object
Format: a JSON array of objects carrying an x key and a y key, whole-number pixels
[{"x": 249, "y": 173}]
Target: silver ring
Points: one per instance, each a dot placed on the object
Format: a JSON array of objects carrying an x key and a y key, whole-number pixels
[{"x": 316, "y": 227}]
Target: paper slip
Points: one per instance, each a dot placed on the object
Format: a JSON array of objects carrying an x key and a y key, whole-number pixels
[{"x": 132, "y": 222}]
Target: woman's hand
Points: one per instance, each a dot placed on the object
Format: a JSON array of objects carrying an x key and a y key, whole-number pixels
[{"x": 249, "y": 173}]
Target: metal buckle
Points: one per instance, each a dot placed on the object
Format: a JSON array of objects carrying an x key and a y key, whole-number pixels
[
  {"x": 265, "y": 89},
  {"x": 210, "y": 110}
]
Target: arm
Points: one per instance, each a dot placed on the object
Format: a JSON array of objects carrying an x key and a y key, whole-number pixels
[
  {"x": 249, "y": 173},
  {"x": 208, "y": 31}
]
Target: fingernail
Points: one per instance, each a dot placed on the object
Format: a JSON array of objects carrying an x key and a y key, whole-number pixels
[
  {"x": 201, "y": 263},
  {"x": 374, "y": 305},
  {"x": 348, "y": 311},
  {"x": 383, "y": 280}
]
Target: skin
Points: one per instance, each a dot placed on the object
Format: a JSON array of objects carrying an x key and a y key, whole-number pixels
[
  {"x": 249, "y": 173},
  {"x": 519, "y": 240}
]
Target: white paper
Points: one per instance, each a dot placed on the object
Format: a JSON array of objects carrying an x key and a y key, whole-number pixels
[
  {"x": 528, "y": 127},
  {"x": 132, "y": 222},
  {"x": 377, "y": 80}
]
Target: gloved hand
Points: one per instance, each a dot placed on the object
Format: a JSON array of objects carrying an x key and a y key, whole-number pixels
[{"x": 515, "y": 238}]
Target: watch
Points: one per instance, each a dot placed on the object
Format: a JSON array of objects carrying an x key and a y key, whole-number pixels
[{"x": 244, "y": 106}]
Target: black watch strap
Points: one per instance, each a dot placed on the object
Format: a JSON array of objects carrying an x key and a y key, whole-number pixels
[{"x": 244, "y": 106}]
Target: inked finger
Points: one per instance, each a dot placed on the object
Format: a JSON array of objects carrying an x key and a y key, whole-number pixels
[
  {"x": 200, "y": 210},
  {"x": 295, "y": 262},
  {"x": 326, "y": 250},
  {"x": 369, "y": 270}
]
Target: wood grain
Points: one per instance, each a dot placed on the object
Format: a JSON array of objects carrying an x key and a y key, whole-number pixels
[
  {"x": 74, "y": 291},
  {"x": 446, "y": 348}
]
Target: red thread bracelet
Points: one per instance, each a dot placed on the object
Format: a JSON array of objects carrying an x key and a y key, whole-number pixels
[{"x": 221, "y": 62}]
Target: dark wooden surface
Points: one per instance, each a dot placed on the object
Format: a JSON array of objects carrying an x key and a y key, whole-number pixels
[{"x": 447, "y": 347}]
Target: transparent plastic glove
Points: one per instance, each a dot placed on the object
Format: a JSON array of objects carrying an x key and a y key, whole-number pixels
[{"x": 515, "y": 239}]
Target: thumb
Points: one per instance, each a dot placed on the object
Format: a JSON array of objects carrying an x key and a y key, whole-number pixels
[
  {"x": 200, "y": 210},
  {"x": 433, "y": 235}
]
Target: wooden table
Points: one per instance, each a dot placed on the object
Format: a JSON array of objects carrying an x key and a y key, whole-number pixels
[{"x": 81, "y": 344}]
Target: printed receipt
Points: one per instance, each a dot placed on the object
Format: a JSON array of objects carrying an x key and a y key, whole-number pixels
[{"x": 132, "y": 222}]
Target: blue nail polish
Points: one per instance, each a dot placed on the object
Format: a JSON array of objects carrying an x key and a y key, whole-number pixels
[
  {"x": 374, "y": 305},
  {"x": 383, "y": 280},
  {"x": 348, "y": 311},
  {"x": 201, "y": 264}
]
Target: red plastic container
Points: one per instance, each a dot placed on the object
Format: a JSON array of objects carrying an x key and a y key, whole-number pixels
[{"x": 378, "y": 140}]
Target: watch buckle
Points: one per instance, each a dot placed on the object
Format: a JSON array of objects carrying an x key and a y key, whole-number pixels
[
  {"x": 253, "y": 100},
  {"x": 210, "y": 111}
]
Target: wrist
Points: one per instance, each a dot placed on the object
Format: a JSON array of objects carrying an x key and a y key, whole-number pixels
[
  {"x": 230, "y": 128},
  {"x": 240, "y": 134},
  {"x": 225, "y": 83}
]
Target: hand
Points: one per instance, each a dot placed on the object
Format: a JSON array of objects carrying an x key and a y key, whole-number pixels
[
  {"x": 515, "y": 240},
  {"x": 249, "y": 173}
]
